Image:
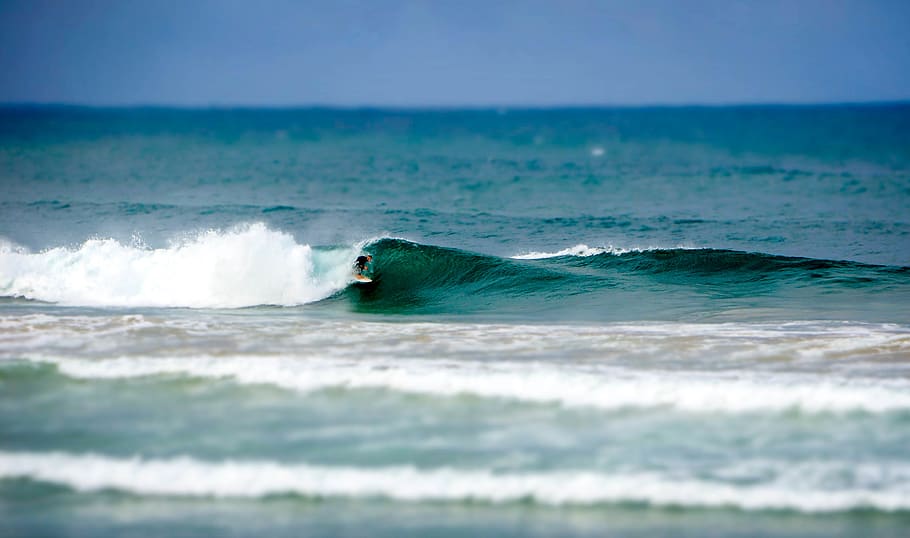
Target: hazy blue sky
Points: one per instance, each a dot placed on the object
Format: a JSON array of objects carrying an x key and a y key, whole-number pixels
[{"x": 201, "y": 52}]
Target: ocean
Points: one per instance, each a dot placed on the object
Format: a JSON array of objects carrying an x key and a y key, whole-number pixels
[{"x": 661, "y": 321}]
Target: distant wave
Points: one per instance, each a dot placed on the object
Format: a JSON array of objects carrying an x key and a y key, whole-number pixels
[
  {"x": 710, "y": 261},
  {"x": 595, "y": 386},
  {"x": 805, "y": 487}
]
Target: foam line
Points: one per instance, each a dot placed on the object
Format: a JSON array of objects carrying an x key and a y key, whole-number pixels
[
  {"x": 579, "y": 250},
  {"x": 595, "y": 386},
  {"x": 803, "y": 487}
]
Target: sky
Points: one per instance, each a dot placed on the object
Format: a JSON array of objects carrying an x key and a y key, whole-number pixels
[{"x": 453, "y": 52}]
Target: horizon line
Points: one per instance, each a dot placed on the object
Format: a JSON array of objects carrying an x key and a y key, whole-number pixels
[{"x": 450, "y": 107}]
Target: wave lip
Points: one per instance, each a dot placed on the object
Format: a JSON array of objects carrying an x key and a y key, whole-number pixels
[
  {"x": 605, "y": 388},
  {"x": 803, "y": 487},
  {"x": 247, "y": 266}
]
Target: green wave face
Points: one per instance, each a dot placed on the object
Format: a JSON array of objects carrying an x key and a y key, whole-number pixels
[{"x": 673, "y": 284}]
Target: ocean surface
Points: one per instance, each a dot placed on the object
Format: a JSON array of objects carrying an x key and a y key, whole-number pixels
[{"x": 583, "y": 322}]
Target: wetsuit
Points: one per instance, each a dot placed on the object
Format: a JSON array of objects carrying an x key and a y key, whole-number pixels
[{"x": 361, "y": 264}]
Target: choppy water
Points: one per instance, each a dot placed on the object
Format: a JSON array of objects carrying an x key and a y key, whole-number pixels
[{"x": 684, "y": 322}]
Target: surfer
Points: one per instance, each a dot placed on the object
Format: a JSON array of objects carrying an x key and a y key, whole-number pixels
[{"x": 360, "y": 265}]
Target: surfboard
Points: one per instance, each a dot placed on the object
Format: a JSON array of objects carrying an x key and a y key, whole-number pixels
[{"x": 361, "y": 279}]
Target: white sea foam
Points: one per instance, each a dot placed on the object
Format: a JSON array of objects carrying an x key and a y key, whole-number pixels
[
  {"x": 574, "y": 385},
  {"x": 246, "y": 266},
  {"x": 716, "y": 343},
  {"x": 802, "y": 346},
  {"x": 9, "y": 247},
  {"x": 584, "y": 251},
  {"x": 580, "y": 250},
  {"x": 803, "y": 487},
  {"x": 810, "y": 367}
]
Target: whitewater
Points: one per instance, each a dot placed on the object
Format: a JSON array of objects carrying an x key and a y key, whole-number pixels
[
  {"x": 246, "y": 266},
  {"x": 876, "y": 487}
]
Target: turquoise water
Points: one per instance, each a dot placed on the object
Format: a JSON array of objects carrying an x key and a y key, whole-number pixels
[{"x": 583, "y": 322}]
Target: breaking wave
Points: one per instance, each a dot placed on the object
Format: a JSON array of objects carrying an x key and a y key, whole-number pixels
[
  {"x": 246, "y": 266},
  {"x": 254, "y": 265}
]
